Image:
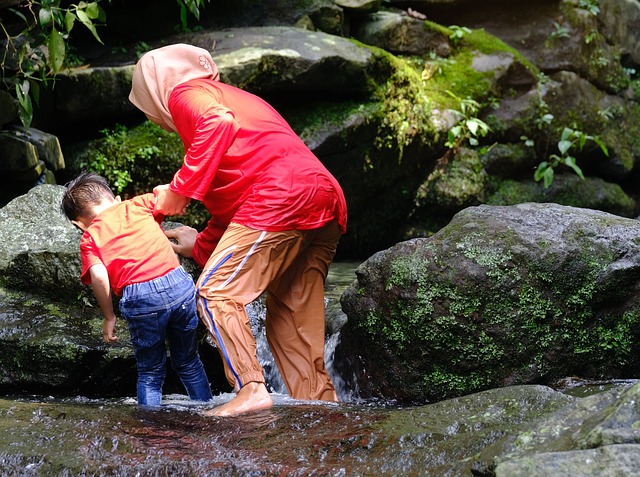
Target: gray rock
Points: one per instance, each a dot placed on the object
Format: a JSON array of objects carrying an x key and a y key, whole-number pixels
[
  {"x": 48, "y": 146},
  {"x": 17, "y": 153},
  {"x": 623, "y": 33},
  {"x": 39, "y": 247},
  {"x": 401, "y": 34},
  {"x": 595, "y": 436},
  {"x": 8, "y": 109},
  {"x": 610, "y": 461},
  {"x": 360, "y": 6},
  {"x": 286, "y": 59},
  {"x": 500, "y": 296}
]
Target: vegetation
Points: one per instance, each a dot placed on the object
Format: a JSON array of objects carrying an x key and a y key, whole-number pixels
[
  {"x": 36, "y": 38},
  {"x": 569, "y": 141},
  {"x": 135, "y": 160}
]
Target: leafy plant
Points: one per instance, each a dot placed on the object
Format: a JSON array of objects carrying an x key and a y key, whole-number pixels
[
  {"x": 189, "y": 6},
  {"x": 558, "y": 32},
  {"x": 569, "y": 140},
  {"x": 590, "y": 6},
  {"x": 39, "y": 50},
  {"x": 458, "y": 33},
  {"x": 469, "y": 127}
]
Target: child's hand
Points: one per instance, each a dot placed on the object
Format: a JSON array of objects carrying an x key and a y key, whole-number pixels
[{"x": 109, "y": 331}]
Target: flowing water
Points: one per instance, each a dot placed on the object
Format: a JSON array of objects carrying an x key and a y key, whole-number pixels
[{"x": 48, "y": 436}]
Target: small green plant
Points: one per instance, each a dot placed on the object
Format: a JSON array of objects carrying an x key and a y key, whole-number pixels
[
  {"x": 458, "y": 33},
  {"x": 569, "y": 140},
  {"x": 590, "y": 6},
  {"x": 189, "y": 6},
  {"x": 590, "y": 37},
  {"x": 116, "y": 158},
  {"x": 469, "y": 127},
  {"x": 558, "y": 32}
]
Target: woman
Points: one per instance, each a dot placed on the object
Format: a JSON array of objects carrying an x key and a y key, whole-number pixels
[{"x": 277, "y": 215}]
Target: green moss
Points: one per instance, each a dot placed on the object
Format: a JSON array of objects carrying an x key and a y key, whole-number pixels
[
  {"x": 306, "y": 120},
  {"x": 445, "y": 383},
  {"x": 405, "y": 107},
  {"x": 457, "y": 75},
  {"x": 135, "y": 160}
]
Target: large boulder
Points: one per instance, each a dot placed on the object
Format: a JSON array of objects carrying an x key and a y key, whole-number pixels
[
  {"x": 40, "y": 247},
  {"x": 500, "y": 296}
]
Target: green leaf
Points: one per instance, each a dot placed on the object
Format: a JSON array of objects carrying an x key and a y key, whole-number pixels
[
  {"x": 45, "y": 16},
  {"x": 183, "y": 14},
  {"x": 25, "y": 107},
  {"x": 86, "y": 21},
  {"x": 548, "y": 177},
  {"x": 564, "y": 146},
  {"x": 547, "y": 118},
  {"x": 571, "y": 162},
  {"x": 69, "y": 20},
  {"x": 539, "y": 173},
  {"x": 56, "y": 50},
  {"x": 18, "y": 13},
  {"x": 583, "y": 141},
  {"x": 566, "y": 133},
  {"x": 34, "y": 91},
  {"x": 93, "y": 10},
  {"x": 473, "y": 126},
  {"x": 600, "y": 143}
]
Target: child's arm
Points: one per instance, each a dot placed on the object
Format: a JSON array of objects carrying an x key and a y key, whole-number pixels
[{"x": 102, "y": 290}]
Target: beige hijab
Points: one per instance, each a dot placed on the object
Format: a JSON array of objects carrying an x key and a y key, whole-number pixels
[{"x": 161, "y": 70}]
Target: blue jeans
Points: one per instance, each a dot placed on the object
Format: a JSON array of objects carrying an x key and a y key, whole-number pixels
[{"x": 163, "y": 310}]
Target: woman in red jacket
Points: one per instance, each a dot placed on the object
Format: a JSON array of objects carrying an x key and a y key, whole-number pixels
[{"x": 277, "y": 215}]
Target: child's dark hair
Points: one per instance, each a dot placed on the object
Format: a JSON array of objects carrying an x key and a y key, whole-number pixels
[{"x": 82, "y": 192}]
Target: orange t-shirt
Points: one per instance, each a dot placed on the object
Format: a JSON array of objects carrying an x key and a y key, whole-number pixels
[
  {"x": 129, "y": 241},
  {"x": 246, "y": 165}
]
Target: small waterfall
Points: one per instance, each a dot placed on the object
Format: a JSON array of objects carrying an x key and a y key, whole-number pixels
[
  {"x": 257, "y": 314},
  {"x": 346, "y": 390},
  {"x": 339, "y": 276}
]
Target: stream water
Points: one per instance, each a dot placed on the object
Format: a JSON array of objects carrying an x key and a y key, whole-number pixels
[{"x": 49, "y": 436}]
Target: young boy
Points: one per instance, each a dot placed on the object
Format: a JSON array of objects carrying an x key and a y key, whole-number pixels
[{"x": 124, "y": 248}]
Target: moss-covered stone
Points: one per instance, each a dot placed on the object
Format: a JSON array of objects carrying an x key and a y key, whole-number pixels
[
  {"x": 567, "y": 189},
  {"x": 501, "y": 295}
]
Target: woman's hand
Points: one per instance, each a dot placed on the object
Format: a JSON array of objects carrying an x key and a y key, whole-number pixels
[
  {"x": 169, "y": 202},
  {"x": 185, "y": 238}
]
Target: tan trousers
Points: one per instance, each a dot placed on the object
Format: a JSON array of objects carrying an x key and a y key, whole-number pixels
[{"x": 291, "y": 267}]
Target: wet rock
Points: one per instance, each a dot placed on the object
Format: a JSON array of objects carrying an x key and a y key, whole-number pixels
[
  {"x": 595, "y": 437},
  {"x": 85, "y": 437}
]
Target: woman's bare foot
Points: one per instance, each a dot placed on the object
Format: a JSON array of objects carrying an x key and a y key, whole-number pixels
[{"x": 252, "y": 397}]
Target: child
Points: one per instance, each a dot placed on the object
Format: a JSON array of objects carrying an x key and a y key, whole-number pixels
[{"x": 124, "y": 248}]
